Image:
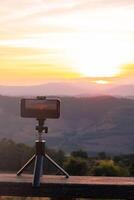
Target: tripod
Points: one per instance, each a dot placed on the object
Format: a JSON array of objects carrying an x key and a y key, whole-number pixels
[{"x": 39, "y": 156}]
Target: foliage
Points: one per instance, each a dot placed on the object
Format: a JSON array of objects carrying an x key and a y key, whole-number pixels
[
  {"x": 80, "y": 153},
  {"x": 13, "y": 156},
  {"x": 109, "y": 168},
  {"x": 77, "y": 166},
  {"x": 103, "y": 156}
]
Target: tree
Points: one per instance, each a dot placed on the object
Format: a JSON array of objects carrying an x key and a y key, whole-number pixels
[
  {"x": 77, "y": 166},
  {"x": 109, "y": 168},
  {"x": 103, "y": 156},
  {"x": 80, "y": 153}
]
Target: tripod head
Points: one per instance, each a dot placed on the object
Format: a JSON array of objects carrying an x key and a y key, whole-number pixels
[{"x": 40, "y": 127}]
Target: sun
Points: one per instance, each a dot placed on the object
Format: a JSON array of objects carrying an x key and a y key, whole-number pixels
[
  {"x": 102, "y": 82},
  {"x": 96, "y": 58},
  {"x": 96, "y": 64}
]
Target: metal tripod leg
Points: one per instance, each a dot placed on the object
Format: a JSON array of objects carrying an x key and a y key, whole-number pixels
[
  {"x": 38, "y": 168},
  {"x": 57, "y": 166},
  {"x": 26, "y": 165}
]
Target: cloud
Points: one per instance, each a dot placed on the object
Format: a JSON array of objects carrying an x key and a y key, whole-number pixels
[
  {"x": 19, "y": 18},
  {"x": 128, "y": 69},
  {"x": 27, "y": 16},
  {"x": 40, "y": 30}
]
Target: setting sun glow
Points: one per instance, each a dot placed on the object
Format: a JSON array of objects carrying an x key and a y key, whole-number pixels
[
  {"x": 43, "y": 41},
  {"x": 103, "y": 82},
  {"x": 96, "y": 62}
]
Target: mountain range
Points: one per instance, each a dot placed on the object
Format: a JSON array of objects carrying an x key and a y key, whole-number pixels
[
  {"x": 94, "y": 124},
  {"x": 77, "y": 88}
]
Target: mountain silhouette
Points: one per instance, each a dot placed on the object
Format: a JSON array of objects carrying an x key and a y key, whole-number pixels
[{"x": 93, "y": 124}]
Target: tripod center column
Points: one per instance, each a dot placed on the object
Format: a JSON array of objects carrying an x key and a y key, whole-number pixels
[{"x": 40, "y": 147}]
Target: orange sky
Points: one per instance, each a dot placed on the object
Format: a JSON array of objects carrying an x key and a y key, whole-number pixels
[{"x": 54, "y": 40}]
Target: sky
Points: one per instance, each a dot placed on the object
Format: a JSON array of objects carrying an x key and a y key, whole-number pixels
[{"x": 63, "y": 40}]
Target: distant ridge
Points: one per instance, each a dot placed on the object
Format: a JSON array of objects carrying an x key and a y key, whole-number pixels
[
  {"x": 123, "y": 90},
  {"x": 47, "y": 89},
  {"x": 57, "y": 88},
  {"x": 76, "y": 88},
  {"x": 94, "y": 124}
]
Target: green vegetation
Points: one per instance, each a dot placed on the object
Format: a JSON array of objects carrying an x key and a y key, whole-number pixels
[
  {"x": 14, "y": 155},
  {"x": 109, "y": 168}
]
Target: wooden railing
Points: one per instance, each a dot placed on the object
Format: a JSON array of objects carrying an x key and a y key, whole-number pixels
[{"x": 74, "y": 187}]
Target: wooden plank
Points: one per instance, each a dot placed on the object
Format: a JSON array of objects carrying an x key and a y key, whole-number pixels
[{"x": 74, "y": 187}]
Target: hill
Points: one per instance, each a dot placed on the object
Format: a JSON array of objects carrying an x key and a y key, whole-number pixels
[
  {"x": 93, "y": 124},
  {"x": 80, "y": 87},
  {"x": 62, "y": 88},
  {"x": 122, "y": 90},
  {"x": 48, "y": 89}
]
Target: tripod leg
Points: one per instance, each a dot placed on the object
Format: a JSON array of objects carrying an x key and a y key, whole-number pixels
[
  {"x": 38, "y": 170},
  {"x": 25, "y": 166},
  {"x": 57, "y": 166}
]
